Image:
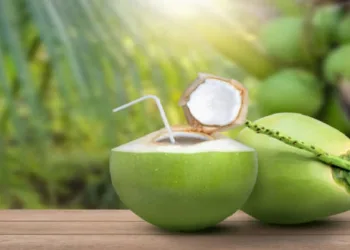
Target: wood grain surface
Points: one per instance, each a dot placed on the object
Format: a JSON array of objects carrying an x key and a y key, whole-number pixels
[{"x": 121, "y": 229}]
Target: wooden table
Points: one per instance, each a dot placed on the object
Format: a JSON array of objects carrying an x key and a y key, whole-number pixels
[{"x": 121, "y": 229}]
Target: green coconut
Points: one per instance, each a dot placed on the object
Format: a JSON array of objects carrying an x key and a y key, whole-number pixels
[
  {"x": 334, "y": 115},
  {"x": 290, "y": 90},
  {"x": 324, "y": 25},
  {"x": 298, "y": 40},
  {"x": 293, "y": 185},
  {"x": 343, "y": 30},
  {"x": 188, "y": 178},
  {"x": 337, "y": 64},
  {"x": 282, "y": 38}
]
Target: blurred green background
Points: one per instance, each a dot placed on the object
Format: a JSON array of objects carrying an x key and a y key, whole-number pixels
[{"x": 65, "y": 64}]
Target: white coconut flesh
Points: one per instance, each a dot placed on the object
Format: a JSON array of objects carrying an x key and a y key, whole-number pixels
[
  {"x": 215, "y": 103},
  {"x": 186, "y": 143}
]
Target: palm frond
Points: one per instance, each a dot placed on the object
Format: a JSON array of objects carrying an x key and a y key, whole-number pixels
[{"x": 63, "y": 66}]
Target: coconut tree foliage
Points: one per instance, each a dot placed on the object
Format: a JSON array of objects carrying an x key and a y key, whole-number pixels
[{"x": 64, "y": 65}]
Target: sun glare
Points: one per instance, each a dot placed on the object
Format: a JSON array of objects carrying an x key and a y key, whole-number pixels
[{"x": 180, "y": 8}]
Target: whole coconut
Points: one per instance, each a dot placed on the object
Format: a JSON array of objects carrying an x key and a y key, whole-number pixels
[
  {"x": 324, "y": 25},
  {"x": 293, "y": 186},
  {"x": 290, "y": 90},
  {"x": 343, "y": 30},
  {"x": 335, "y": 116},
  {"x": 292, "y": 40},
  {"x": 337, "y": 64},
  {"x": 282, "y": 39}
]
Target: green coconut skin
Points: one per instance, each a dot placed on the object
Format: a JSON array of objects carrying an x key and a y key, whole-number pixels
[
  {"x": 290, "y": 90},
  {"x": 293, "y": 187},
  {"x": 295, "y": 40},
  {"x": 334, "y": 115},
  {"x": 343, "y": 31},
  {"x": 183, "y": 192},
  {"x": 337, "y": 64},
  {"x": 282, "y": 38},
  {"x": 324, "y": 26}
]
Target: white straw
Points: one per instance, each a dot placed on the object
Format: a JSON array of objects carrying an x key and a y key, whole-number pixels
[{"x": 161, "y": 110}]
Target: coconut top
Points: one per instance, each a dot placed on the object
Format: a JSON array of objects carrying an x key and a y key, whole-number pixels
[{"x": 213, "y": 103}]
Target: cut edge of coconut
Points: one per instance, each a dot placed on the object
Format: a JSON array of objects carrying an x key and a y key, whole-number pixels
[
  {"x": 204, "y": 97},
  {"x": 183, "y": 138},
  {"x": 152, "y": 143}
]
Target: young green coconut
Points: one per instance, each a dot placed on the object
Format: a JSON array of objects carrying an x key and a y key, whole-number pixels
[
  {"x": 294, "y": 40},
  {"x": 343, "y": 30},
  {"x": 304, "y": 175},
  {"x": 334, "y": 114},
  {"x": 323, "y": 26},
  {"x": 289, "y": 47},
  {"x": 188, "y": 178},
  {"x": 337, "y": 64},
  {"x": 290, "y": 90}
]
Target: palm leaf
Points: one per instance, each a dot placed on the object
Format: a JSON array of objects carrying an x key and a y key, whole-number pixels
[{"x": 92, "y": 56}]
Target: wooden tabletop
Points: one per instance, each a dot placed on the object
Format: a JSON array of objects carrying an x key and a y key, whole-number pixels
[{"x": 121, "y": 229}]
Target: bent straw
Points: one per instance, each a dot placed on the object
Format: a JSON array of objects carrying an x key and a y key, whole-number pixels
[{"x": 160, "y": 108}]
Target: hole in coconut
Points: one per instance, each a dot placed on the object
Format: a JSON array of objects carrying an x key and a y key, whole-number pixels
[
  {"x": 215, "y": 102},
  {"x": 183, "y": 138}
]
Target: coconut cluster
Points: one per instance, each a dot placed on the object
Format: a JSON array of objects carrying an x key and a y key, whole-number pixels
[{"x": 313, "y": 53}]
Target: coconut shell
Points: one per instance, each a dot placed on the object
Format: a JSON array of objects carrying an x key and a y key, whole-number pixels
[
  {"x": 197, "y": 125},
  {"x": 183, "y": 187}
]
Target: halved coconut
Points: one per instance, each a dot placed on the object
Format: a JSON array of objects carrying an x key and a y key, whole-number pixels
[
  {"x": 213, "y": 103},
  {"x": 190, "y": 185}
]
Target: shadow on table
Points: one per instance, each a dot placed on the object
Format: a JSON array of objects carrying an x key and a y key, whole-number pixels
[{"x": 322, "y": 227}]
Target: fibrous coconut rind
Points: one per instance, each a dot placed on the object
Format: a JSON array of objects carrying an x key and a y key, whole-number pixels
[{"x": 213, "y": 103}]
